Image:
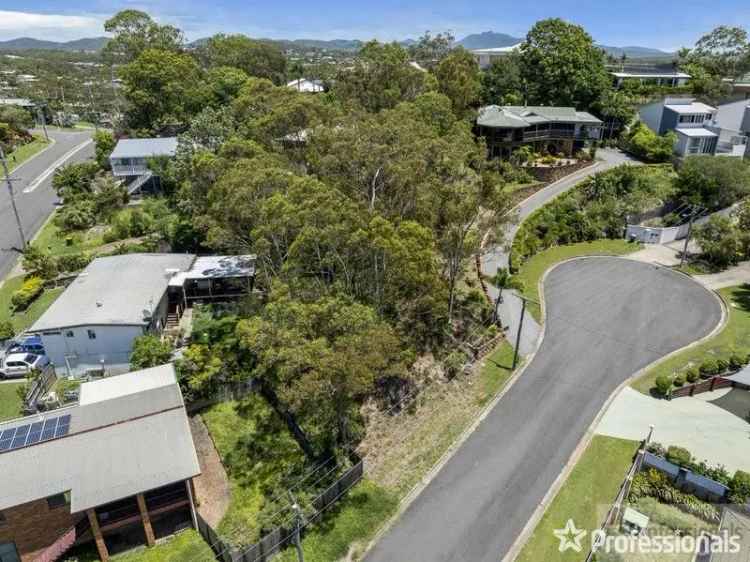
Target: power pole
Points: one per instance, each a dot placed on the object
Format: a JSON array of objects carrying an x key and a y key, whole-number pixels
[
  {"x": 693, "y": 212},
  {"x": 93, "y": 111},
  {"x": 12, "y": 198},
  {"x": 518, "y": 333},
  {"x": 43, "y": 120},
  {"x": 298, "y": 521}
]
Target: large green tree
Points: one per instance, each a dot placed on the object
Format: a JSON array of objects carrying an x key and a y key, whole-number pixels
[
  {"x": 381, "y": 78},
  {"x": 316, "y": 362},
  {"x": 725, "y": 51},
  {"x": 713, "y": 182},
  {"x": 256, "y": 58},
  {"x": 163, "y": 88},
  {"x": 134, "y": 32},
  {"x": 501, "y": 82},
  {"x": 561, "y": 65},
  {"x": 458, "y": 78}
]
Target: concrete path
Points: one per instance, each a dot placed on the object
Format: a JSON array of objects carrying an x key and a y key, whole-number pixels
[
  {"x": 509, "y": 310},
  {"x": 33, "y": 189},
  {"x": 607, "y": 318},
  {"x": 708, "y": 431},
  {"x": 736, "y": 275}
]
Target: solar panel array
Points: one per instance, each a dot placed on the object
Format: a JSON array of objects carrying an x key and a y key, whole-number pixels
[{"x": 28, "y": 434}]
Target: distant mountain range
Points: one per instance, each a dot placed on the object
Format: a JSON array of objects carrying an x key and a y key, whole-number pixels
[
  {"x": 26, "y": 43},
  {"x": 485, "y": 40},
  {"x": 488, "y": 40},
  {"x": 491, "y": 40}
]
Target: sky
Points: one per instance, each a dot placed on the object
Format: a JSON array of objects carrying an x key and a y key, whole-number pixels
[{"x": 665, "y": 24}]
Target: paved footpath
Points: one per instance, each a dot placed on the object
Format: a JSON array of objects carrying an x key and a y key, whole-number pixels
[
  {"x": 35, "y": 197},
  {"x": 498, "y": 256},
  {"x": 607, "y": 318}
]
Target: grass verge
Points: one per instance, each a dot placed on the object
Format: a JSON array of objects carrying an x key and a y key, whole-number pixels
[
  {"x": 186, "y": 545},
  {"x": 584, "y": 497},
  {"x": 533, "y": 269},
  {"x": 733, "y": 338},
  {"x": 22, "y": 320},
  {"x": 26, "y": 151},
  {"x": 50, "y": 238},
  {"x": 10, "y": 402}
]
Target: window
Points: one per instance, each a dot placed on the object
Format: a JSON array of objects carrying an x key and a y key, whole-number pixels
[
  {"x": 8, "y": 552},
  {"x": 92, "y": 334},
  {"x": 58, "y": 500},
  {"x": 69, "y": 333},
  {"x": 50, "y": 333}
]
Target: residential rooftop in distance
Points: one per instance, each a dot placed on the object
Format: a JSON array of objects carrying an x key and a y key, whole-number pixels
[{"x": 145, "y": 148}]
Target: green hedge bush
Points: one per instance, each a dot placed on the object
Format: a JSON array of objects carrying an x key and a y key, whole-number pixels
[
  {"x": 31, "y": 289},
  {"x": 692, "y": 375},
  {"x": 6, "y": 330},
  {"x": 663, "y": 384},
  {"x": 709, "y": 368}
]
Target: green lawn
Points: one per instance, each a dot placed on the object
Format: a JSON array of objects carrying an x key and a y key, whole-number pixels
[
  {"x": 23, "y": 320},
  {"x": 53, "y": 240},
  {"x": 496, "y": 371},
  {"x": 186, "y": 546},
  {"x": 257, "y": 451},
  {"x": 26, "y": 151},
  {"x": 10, "y": 402},
  {"x": 584, "y": 498},
  {"x": 733, "y": 338},
  {"x": 353, "y": 521},
  {"x": 534, "y": 268}
]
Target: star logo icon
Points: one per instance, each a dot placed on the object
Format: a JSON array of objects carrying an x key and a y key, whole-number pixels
[{"x": 570, "y": 537}]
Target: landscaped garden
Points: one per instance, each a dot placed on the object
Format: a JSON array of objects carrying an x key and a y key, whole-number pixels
[
  {"x": 729, "y": 346},
  {"x": 182, "y": 547}
]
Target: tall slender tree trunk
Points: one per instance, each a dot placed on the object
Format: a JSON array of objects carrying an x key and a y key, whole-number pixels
[{"x": 291, "y": 422}]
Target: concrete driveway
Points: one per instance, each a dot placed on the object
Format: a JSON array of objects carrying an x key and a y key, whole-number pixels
[
  {"x": 606, "y": 319},
  {"x": 33, "y": 190},
  {"x": 710, "y": 432}
]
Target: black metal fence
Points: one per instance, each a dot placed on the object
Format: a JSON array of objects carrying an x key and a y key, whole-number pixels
[{"x": 280, "y": 537}]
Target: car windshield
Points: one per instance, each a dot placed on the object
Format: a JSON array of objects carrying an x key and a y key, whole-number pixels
[{"x": 30, "y": 358}]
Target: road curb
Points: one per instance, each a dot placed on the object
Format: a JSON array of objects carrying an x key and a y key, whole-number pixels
[
  {"x": 588, "y": 436},
  {"x": 417, "y": 489}
]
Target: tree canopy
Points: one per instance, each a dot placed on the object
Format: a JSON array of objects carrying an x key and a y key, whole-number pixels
[{"x": 561, "y": 65}]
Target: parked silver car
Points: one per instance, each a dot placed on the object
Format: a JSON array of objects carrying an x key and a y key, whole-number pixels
[{"x": 18, "y": 365}]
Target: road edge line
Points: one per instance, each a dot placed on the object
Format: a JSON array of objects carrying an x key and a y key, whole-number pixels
[{"x": 549, "y": 497}]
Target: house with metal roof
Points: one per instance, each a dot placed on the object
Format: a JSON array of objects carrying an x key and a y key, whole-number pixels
[
  {"x": 129, "y": 159},
  {"x": 93, "y": 323},
  {"x": 547, "y": 129},
  {"x": 690, "y": 120},
  {"x": 648, "y": 74},
  {"x": 485, "y": 57},
  {"x": 306, "y": 85},
  {"x": 117, "y": 464}
]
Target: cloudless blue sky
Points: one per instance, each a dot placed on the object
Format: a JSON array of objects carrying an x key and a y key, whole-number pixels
[{"x": 655, "y": 23}]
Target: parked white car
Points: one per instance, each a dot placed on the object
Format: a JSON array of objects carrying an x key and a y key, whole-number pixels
[{"x": 17, "y": 365}]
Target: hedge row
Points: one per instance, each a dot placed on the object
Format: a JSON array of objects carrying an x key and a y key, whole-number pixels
[{"x": 31, "y": 289}]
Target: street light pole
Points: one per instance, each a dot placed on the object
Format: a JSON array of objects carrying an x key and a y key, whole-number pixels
[
  {"x": 12, "y": 198},
  {"x": 683, "y": 258}
]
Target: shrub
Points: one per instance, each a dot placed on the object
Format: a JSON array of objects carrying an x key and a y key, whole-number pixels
[
  {"x": 6, "y": 330},
  {"x": 692, "y": 375},
  {"x": 73, "y": 262},
  {"x": 740, "y": 487},
  {"x": 663, "y": 384},
  {"x": 736, "y": 362},
  {"x": 38, "y": 263},
  {"x": 709, "y": 368},
  {"x": 679, "y": 455},
  {"x": 149, "y": 351},
  {"x": 655, "y": 484},
  {"x": 76, "y": 216},
  {"x": 721, "y": 365},
  {"x": 679, "y": 380},
  {"x": 31, "y": 289}
]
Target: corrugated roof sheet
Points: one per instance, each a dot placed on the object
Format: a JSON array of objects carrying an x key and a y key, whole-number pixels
[
  {"x": 694, "y": 107},
  {"x": 515, "y": 117},
  {"x": 115, "y": 290},
  {"x": 144, "y": 148},
  {"x": 127, "y": 443},
  {"x": 659, "y": 463}
]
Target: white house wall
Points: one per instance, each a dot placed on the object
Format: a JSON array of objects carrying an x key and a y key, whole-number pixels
[{"x": 77, "y": 353}]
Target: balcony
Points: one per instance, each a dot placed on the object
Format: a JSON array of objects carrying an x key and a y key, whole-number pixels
[{"x": 120, "y": 170}]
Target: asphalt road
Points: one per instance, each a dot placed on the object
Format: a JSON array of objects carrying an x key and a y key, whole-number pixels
[
  {"x": 36, "y": 199},
  {"x": 606, "y": 319}
]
